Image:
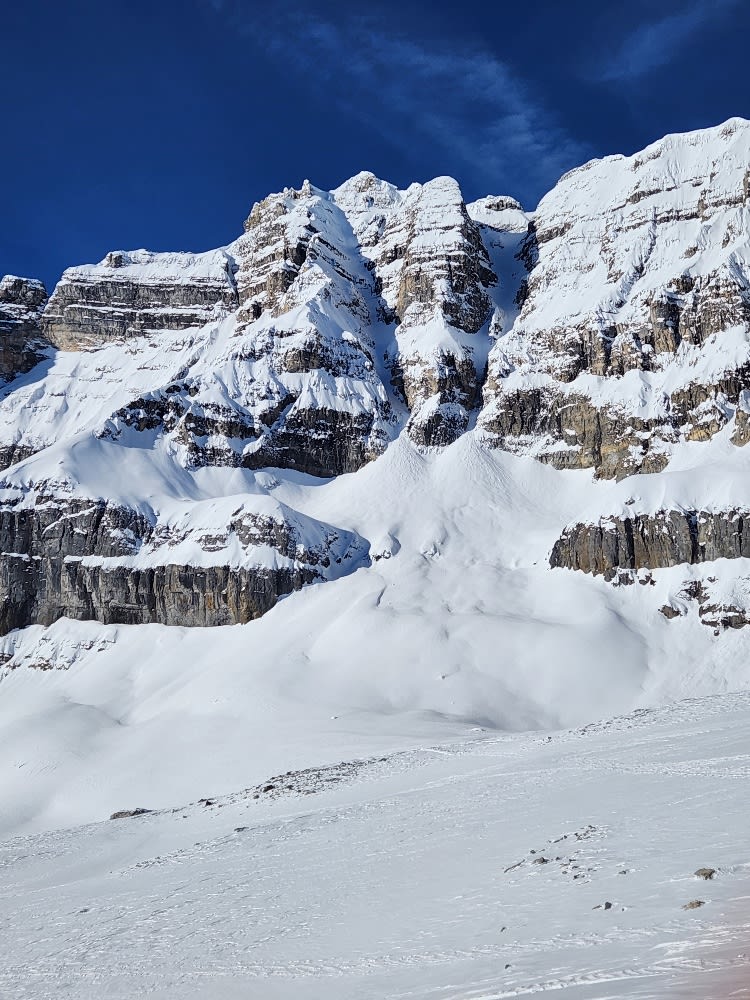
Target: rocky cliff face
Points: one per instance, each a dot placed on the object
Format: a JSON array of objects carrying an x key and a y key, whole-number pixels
[
  {"x": 435, "y": 276},
  {"x": 607, "y": 331},
  {"x": 633, "y": 332},
  {"x": 201, "y": 565},
  {"x": 434, "y": 271},
  {"x": 136, "y": 294},
  {"x": 22, "y": 346},
  {"x": 653, "y": 540}
]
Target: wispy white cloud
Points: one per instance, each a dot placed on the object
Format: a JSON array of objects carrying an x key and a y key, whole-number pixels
[
  {"x": 468, "y": 107},
  {"x": 654, "y": 44}
]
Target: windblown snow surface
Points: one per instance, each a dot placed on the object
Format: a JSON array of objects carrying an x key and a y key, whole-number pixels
[{"x": 486, "y": 867}]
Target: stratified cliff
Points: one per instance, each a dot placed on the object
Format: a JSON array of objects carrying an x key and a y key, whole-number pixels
[
  {"x": 633, "y": 332},
  {"x": 195, "y": 564},
  {"x": 654, "y": 540},
  {"x": 135, "y": 294}
]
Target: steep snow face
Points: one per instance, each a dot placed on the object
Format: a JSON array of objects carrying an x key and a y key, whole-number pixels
[
  {"x": 633, "y": 332},
  {"x": 136, "y": 293},
  {"x": 504, "y": 228},
  {"x": 678, "y": 208}
]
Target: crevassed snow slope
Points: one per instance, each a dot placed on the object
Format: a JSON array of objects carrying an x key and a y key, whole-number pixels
[{"x": 503, "y": 866}]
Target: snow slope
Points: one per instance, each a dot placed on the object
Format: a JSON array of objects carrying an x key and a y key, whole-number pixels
[
  {"x": 456, "y": 622},
  {"x": 474, "y": 870}
]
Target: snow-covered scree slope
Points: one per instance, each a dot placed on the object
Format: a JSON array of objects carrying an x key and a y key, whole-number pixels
[
  {"x": 481, "y": 869},
  {"x": 457, "y": 621}
]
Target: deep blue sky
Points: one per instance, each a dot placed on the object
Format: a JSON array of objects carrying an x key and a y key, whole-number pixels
[{"x": 157, "y": 123}]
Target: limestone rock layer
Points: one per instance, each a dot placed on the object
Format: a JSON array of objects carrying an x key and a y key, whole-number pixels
[{"x": 203, "y": 565}]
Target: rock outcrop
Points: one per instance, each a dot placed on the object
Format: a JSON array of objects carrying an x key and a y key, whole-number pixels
[
  {"x": 633, "y": 334},
  {"x": 741, "y": 433},
  {"x": 626, "y": 549},
  {"x": 22, "y": 345},
  {"x": 137, "y": 293},
  {"x": 306, "y": 358},
  {"x": 92, "y": 559},
  {"x": 653, "y": 540},
  {"x": 434, "y": 274}
]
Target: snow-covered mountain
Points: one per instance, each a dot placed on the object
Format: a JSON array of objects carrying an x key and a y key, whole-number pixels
[
  {"x": 635, "y": 309},
  {"x": 443, "y": 467},
  {"x": 606, "y": 330}
]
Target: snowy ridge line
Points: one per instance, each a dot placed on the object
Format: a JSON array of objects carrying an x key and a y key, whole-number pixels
[
  {"x": 151, "y": 267},
  {"x": 631, "y": 509}
]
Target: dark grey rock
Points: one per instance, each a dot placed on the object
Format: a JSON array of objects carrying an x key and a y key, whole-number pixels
[
  {"x": 129, "y": 814},
  {"x": 665, "y": 538},
  {"x": 53, "y": 564},
  {"x": 705, "y": 873},
  {"x": 22, "y": 345}
]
